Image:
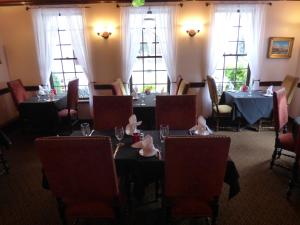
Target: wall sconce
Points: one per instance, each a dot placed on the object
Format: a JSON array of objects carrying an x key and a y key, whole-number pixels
[
  {"x": 192, "y": 32},
  {"x": 104, "y": 34}
]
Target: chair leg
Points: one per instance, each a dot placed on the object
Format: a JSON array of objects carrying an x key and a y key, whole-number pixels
[
  {"x": 215, "y": 210},
  {"x": 273, "y": 158},
  {"x": 294, "y": 178},
  {"x": 61, "y": 211}
]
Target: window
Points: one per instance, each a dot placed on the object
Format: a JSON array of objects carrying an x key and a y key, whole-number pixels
[
  {"x": 149, "y": 69},
  {"x": 65, "y": 66},
  {"x": 232, "y": 69}
]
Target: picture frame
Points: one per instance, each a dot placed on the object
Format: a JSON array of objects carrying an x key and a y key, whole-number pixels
[{"x": 280, "y": 47}]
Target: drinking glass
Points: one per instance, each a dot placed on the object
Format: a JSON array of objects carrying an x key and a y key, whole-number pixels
[
  {"x": 119, "y": 133},
  {"x": 143, "y": 98},
  {"x": 163, "y": 131},
  {"x": 85, "y": 129}
]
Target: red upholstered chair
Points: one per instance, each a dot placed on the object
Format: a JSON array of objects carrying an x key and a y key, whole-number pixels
[
  {"x": 17, "y": 91},
  {"x": 178, "y": 111},
  {"x": 194, "y": 173},
  {"x": 81, "y": 175},
  {"x": 111, "y": 111},
  {"x": 284, "y": 140},
  {"x": 71, "y": 112}
]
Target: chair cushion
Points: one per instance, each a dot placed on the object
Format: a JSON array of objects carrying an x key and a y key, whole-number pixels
[
  {"x": 64, "y": 113},
  {"x": 190, "y": 207},
  {"x": 90, "y": 210},
  {"x": 287, "y": 141},
  {"x": 223, "y": 109}
]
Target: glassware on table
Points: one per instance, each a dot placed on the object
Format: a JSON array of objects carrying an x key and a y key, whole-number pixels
[
  {"x": 119, "y": 133},
  {"x": 85, "y": 129},
  {"x": 143, "y": 98},
  {"x": 163, "y": 132}
]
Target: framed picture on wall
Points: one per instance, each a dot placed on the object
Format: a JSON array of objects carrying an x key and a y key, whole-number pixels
[{"x": 280, "y": 47}]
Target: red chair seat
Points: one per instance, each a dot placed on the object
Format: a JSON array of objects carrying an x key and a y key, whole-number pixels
[
  {"x": 190, "y": 207},
  {"x": 90, "y": 210},
  {"x": 64, "y": 113},
  {"x": 287, "y": 141}
]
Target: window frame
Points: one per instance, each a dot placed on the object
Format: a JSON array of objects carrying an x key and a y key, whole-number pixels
[{"x": 155, "y": 57}]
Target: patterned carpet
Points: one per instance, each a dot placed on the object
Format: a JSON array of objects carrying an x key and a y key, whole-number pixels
[{"x": 261, "y": 200}]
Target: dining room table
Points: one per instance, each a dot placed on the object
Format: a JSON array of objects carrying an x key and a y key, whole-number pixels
[
  {"x": 144, "y": 109},
  {"x": 41, "y": 112},
  {"x": 250, "y": 105},
  {"x": 144, "y": 170}
]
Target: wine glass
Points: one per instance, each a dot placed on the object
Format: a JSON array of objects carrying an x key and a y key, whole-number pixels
[
  {"x": 119, "y": 133},
  {"x": 164, "y": 132}
]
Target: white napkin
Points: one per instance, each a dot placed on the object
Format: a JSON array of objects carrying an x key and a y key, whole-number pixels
[
  {"x": 132, "y": 126},
  {"x": 270, "y": 90},
  {"x": 146, "y": 146},
  {"x": 230, "y": 87},
  {"x": 134, "y": 94},
  {"x": 201, "y": 128},
  {"x": 41, "y": 90}
]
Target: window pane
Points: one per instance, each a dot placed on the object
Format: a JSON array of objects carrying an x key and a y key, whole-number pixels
[
  {"x": 161, "y": 88},
  {"x": 69, "y": 77},
  {"x": 218, "y": 76},
  {"x": 230, "y": 62},
  {"x": 149, "y": 77},
  {"x": 82, "y": 79},
  {"x": 65, "y": 37},
  {"x": 160, "y": 64},
  {"x": 233, "y": 33},
  {"x": 83, "y": 92},
  {"x": 78, "y": 67},
  {"x": 231, "y": 47},
  {"x": 149, "y": 64},
  {"x": 242, "y": 62},
  {"x": 58, "y": 79},
  {"x": 137, "y": 78},
  {"x": 158, "y": 50},
  {"x": 138, "y": 65},
  {"x": 241, "y": 47},
  {"x": 56, "y": 52},
  {"x": 68, "y": 65},
  {"x": 67, "y": 51},
  {"x": 62, "y": 22},
  {"x": 56, "y": 66},
  {"x": 161, "y": 77}
]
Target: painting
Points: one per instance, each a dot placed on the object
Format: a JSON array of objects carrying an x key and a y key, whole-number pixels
[{"x": 280, "y": 47}]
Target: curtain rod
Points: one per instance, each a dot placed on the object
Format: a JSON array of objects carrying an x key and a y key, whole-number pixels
[
  {"x": 56, "y": 7},
  {"x": 239, "y": 2}
]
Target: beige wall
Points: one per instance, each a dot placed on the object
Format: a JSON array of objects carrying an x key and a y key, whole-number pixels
[{"x": 16, "y": 33}]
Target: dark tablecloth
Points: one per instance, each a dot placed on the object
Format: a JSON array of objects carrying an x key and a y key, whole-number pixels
[
  {"x": 145, "y": 112},
  {"x": 147, "y": 169},
  {"x": 42, "y": 113},
  {"x": 251, "y": 107}
]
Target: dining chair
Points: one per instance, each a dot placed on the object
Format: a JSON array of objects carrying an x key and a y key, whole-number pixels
[
  {"x": 17, "y": 91},
  {"x": 183, "y": 88},
  {"x": 294, "y": 179},
  {"x": 219, "y": 111},
  {"x": 118, "y": 88},
  {"x": 70, "y": 114},
  {"x": 194, "y": 173},
  {"x": 290, "y": 85},
  {"x": 82, "y": 176},
  {"x": 178, "y": 81},
  {"x": 284, "y": 140},
  {"x": 177, "y": 111},
  {"x": 5, "y": 143},
  {"x": 111, "y": 111}
]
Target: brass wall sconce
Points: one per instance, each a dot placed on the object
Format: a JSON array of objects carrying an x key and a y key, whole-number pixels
[
  {"x": 192, "y": 32},
  {"x": 104, "y": 34}
]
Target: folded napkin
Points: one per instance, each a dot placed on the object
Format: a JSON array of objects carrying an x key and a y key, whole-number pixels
[
  {"x": 42, "y": 91},
  {"x": 270, "y": 90},
  {"x": 134, "y": 93},
  {"x": 146, "y": 146},
  {"x": 132, "y": 126},
  {"x": 201, "y": 128},
  {"x": 230, "y": 86}
]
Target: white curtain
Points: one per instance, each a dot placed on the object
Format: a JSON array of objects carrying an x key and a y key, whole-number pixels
[
  {"x": 166, "y": 32},
  {"x": 45, "y": 29},
  {"x": 254, "y": 19},
  {"x": 75, "y": 20},
  {"x": 132, "y": 20},
  {"x": 221, "y": 25}
]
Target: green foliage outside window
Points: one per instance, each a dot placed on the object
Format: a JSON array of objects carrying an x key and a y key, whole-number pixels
[{"x": 237, "y": 77}]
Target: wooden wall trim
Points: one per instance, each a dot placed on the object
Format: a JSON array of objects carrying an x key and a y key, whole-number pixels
[
  {"x": 269, "y": 83},
  {"x": 5, "y": 90},
  {"x": 103, "y": 86},
  {"x": 197, "y": 84}
]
